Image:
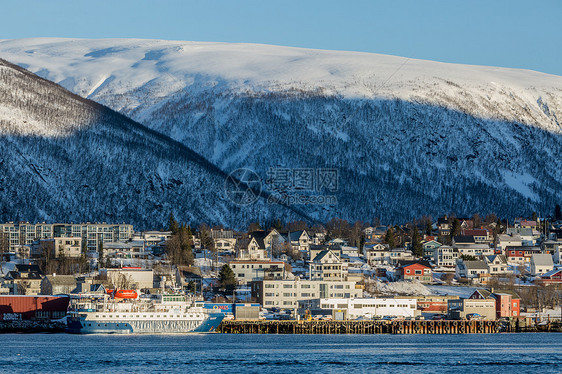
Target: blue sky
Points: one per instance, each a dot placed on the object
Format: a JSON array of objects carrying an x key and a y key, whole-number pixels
[{"x": 516, "y": 33}]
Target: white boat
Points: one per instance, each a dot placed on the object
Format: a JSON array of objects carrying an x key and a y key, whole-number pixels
[{"x": 149, "y": 314}]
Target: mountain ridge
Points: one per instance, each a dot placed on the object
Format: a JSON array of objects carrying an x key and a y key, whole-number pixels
[
  {"x": 408, "y": 137},
  {"x": 87, "y": 164}
]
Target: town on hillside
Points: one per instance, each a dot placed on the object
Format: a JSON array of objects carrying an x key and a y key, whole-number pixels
[{"x": 454, "y": 268}]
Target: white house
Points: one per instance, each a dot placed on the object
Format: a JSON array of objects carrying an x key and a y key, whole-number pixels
[
  {"x": 327, "y": 266},
  {"x": 541, "y": 264},
  {"x": 252, "y": 249},
  {"x": 497, "y": 264},
  {"x": 475, "y": 271}
]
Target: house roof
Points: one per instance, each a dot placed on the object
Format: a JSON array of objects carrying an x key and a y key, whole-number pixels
[
  {"x": 551, "y": 273},
  {"x": 541, "y": 259},
  {"x": 475, "y": 232},
  {"x": 61, "y": 280},
  {"x": 464, "y": 239},
  {"x": 323, "y": 254},
  {"x": 259, "y": 236},
  {"x": 513, "y": 294},
  {"x": 406, "y": 263},
  {"x": 492, "y": 258},
  {"x": 441, "y": 221},
  {"x": 475, "y": 265},
  {"x": 483, "y": 292},
  {"x": 20, "y": 268},
  {"x": 295, "y": 235}
]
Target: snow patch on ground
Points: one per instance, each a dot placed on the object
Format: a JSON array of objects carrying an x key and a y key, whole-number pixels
[{"x": 521, "y": 183}]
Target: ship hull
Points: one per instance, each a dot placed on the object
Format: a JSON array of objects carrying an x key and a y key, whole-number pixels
[{"x": 80, "y": 325}]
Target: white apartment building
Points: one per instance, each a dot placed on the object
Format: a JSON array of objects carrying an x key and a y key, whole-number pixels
[
  {"x": 155, "y": 237},
  {"x": 445, "y": 256},
  {"x": 247, "y": 271},
  {"x": 24, "y": 233},
  {"x": 379, "y": 256},
  {"x": 58, "y": 247},
  {"x": 286, "y": 294},
  {"x": 475, "y": 250}
]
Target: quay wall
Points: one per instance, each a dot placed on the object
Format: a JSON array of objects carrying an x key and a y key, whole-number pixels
[{"x": 361, "y": 327}]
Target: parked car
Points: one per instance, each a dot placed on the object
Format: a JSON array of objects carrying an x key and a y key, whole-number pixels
[{"x": 474, "y": 317}]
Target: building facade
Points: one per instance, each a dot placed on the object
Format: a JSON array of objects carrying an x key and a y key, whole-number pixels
[
  {"x": 286, "y": 294},
  {"x": 92, "y": 234}
]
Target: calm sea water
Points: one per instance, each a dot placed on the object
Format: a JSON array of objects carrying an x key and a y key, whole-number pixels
[{"x": 214, "y": 353}]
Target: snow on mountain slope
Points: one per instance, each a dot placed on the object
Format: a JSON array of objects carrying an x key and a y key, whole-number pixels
[
  {"x": 408, "y": 137},
  {"x": 65, "y": 158},
  {"x": 104, "y": 69}
]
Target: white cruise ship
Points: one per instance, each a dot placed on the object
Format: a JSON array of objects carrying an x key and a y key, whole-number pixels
[{"x": 150, "y": 314}]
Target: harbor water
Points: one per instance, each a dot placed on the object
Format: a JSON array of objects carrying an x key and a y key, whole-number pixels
[{"x": 220, "y": 353}]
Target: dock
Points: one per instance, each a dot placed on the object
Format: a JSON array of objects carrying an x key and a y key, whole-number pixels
[{"x": 360, "y": 327}]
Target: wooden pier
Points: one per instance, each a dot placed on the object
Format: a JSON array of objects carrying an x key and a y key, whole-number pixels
[{"x": 359, "y": 327}]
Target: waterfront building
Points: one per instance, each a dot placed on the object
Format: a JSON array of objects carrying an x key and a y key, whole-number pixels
[
  {"x": 508, "y": 303},
  {"x": 24, "y": 280},
  {"x": 58, "y": 285},
  {"x": 432, "y": 304},
  {"x": 286, "y": 294},
  {"x": 461, "y": 308},
  {"x": 348, "y": 308}
]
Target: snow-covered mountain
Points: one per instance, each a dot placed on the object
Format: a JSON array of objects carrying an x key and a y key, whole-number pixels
[
  {"x": 65, "y": 158},
  {"x": 408, "y": 137}
]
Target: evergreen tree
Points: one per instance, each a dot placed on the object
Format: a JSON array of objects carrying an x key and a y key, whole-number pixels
[
  {"x": 173, "y": 224},
  {"x": 417, "y": 247},
  {"x": 558, "y": 213},
  {"x": 227, "y": 279},
  {"x": 389, "y": 238},
  {"x": 428, "y": 227},
  {"x": 455, "y": 228}
]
